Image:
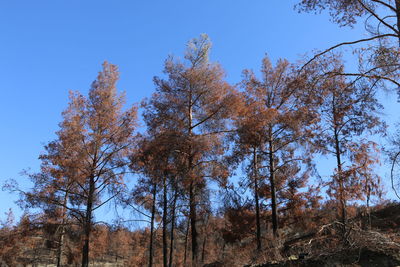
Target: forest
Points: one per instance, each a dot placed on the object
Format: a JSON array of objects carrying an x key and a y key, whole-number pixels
[{"x": 219, "y": 174}]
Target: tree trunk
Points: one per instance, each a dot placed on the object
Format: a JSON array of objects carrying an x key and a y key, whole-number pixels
[
  {"x": 272, "y": 184},
  {"x": 192, "y": 195},
  {"x": 62, "y": 233},
  {"x": 186, "y": 241},
  {"x": 368, "y": 208},
  {"x": 88, "y": 223},
  {"x": 171, "y": 245},
  {"x": 203, "y": 251},
  {"x": 60, "y": 247},
  {"x": 164, "y": 220},
  {"x": 193, "y": 223},
  {"x": 342, "y": 199},
  {"x": 153, "y": 211},
  {"x": 258, "y": 224}
]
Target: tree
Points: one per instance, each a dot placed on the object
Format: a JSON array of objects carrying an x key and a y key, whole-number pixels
[
  {"x": 145, "y": 191},
  {"x": 105, "y": 134},
  {"x": 83, "y": 169},
  {"x": 249, "y": 141},
  {"x": 159, "y": 161},
  {"x": 195, "y": 103},
  {"x": 279, "y": 118},
  {"x": 349, "y": 111}
]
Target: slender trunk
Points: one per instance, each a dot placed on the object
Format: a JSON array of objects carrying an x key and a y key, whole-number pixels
[
  {"x": 186, "y": 242},
  {"x": 272, "y": 184},
  {"x": 60, "y": 247},
  {"x": 153, "y": 212},
  {"x": 192, "y": 195},
  {"x": 340, "y": 178},
  {"x": 255, "y": 175},
  {"x": 193, "y": 223},
  {"x": 164, "y": 220},
  {"x": 203, "y": 251},
  {"x": 88, "y": 222},
  {"x": 223, "y": 251},
  {"x": 342, "y": 199},
  {"x": 171, "y": 245},
  {"x": 62, "y": 232},
  {"x": 368, "y": 208}
]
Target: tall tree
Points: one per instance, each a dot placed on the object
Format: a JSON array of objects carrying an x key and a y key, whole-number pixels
[
  {"x": 349, "y": 111},
  {"x": 279, "y": 119},
  {"x": 249, "y": 141},
  {"x": 194, "y": 102},
  {"x": 83, "y": 169},
  {"x": 159, "y": 160}
]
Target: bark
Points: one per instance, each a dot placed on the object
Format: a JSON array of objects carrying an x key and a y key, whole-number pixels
[
  {"x": 60, "y": 247},
  {"x": 192, "y": 197},
  {"x": 88, "y": 222},
  {"x": 193, "y": 222},
  {"x": 272, "y": 184},
  {"x": 368, "y": 208},
  {"x": 186, "y": 242},
  {"x": 153, "y": 211},
  {"x": 342, "y": 200},
  {"x": 171, "y": 245},
  {"x": 258, "y": 225},
  {"x": 203, "y": 251},
  {"x": 223, "y": 251},
  {"x": 164, "y": 219},
  {"x": 62, "y": 232}
]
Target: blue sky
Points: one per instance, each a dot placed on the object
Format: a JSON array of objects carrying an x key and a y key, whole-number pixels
[{"x": 48, "y": 47}]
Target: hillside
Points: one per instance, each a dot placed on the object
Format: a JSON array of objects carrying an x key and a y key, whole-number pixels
[
  {"x": 322, "y": 246},
  {"x": 377, "y": 247}
]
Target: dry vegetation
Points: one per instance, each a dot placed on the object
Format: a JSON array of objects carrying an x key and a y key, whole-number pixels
[
  {"x": 224, "y": 175},
  {"x": 367, "y": 244}
]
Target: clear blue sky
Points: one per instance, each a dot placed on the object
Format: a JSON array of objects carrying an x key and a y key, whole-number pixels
[{"x": 48, "y": 47}]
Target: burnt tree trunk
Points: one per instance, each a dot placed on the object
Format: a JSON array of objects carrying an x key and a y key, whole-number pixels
[
  {"x": 171, "y": 245},
  {"x": 88, "y": 222},
  {"x": 164, "y": 220},
  {"x": 256, "y": 198},
  {"x": 60, "y": 250},
  {"x": 193, "y": 219},
  {"x": 153, "y": 211},
  {"x": 203, "y": 251},
  {"x": 274, "y": 210},
  {"x": 340, "y": 178},
  {"x": 186, "y": 241}
]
